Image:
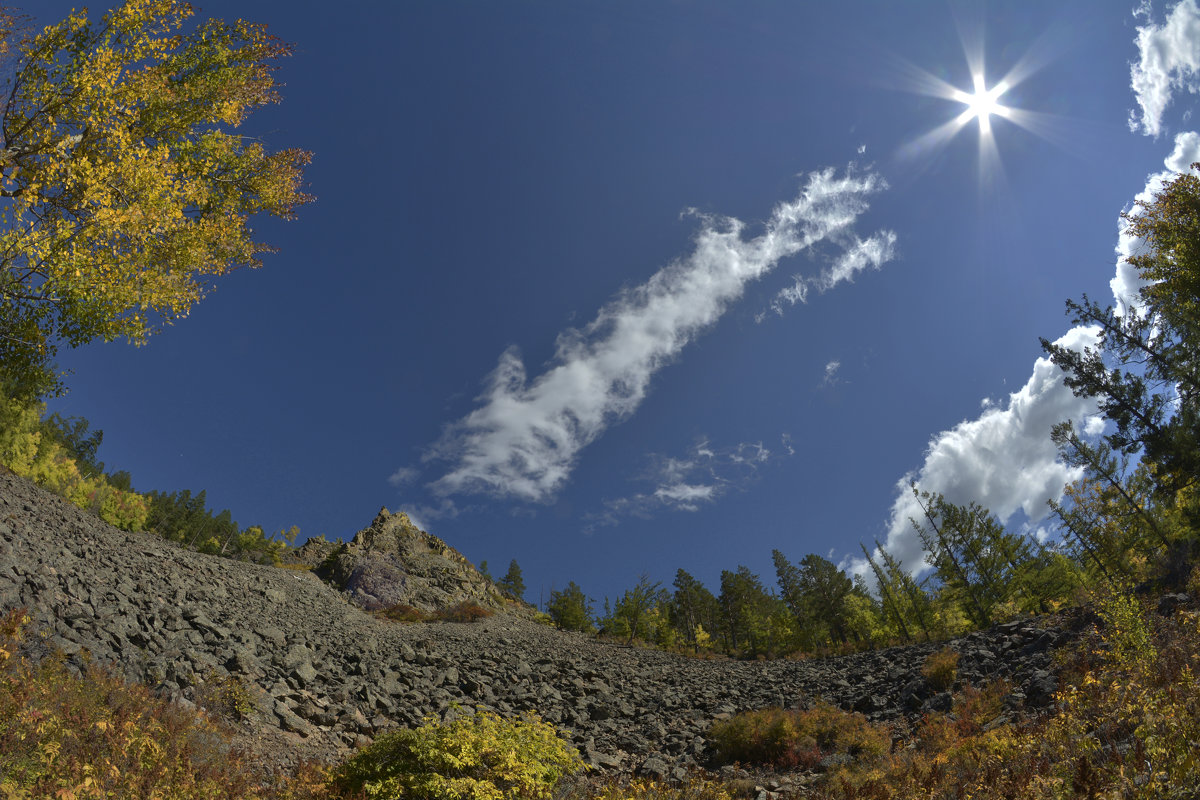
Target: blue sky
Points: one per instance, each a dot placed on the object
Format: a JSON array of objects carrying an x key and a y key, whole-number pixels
[{"x": 619, "y": 288}]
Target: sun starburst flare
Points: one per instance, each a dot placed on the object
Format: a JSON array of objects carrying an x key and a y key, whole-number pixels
[{"x": 982, "y": 104}]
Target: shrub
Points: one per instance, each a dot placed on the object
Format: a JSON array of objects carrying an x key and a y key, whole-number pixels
[
  {"x": 692, "y": 788},
  {"x": 482, "y": 757},
  {"x": 941, "y": 669},
  {"x": 464, "y": 612},
  {"x": 90, "y": 736},
  {"x": 782, "y": 738},
  {"x": 401, "y": 613},
  {"x": 1125, "y": 725},
  {"x": 974, "y": 709},
  {"x": 225, "y": 696},
  {"x": 1126, "y": 631}
]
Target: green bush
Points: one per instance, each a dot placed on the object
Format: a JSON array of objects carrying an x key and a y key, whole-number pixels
[
  {"x": 225, "y": 696},
  {"x": 796, "y": 738},
  {"x": 481, "y": 757}
]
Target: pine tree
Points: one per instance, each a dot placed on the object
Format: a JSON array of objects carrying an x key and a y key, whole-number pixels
[
  {"x": 513, "y": 583},
  {"x": 635, "y": 604},
  {"x": 693, "y": 607},
  {"x": 1145, "y": 369}
]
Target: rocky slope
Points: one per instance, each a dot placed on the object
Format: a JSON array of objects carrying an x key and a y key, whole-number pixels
[
  {"x": 325, "y": 675},
  {"x": 393, "y": 562}
]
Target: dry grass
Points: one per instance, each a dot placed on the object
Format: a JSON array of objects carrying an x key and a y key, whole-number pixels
[
  {"x": 941, "y": 669},
  {"x": 463, "y": 612}
]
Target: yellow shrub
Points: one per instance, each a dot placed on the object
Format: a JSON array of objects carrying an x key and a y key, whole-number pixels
[
  {"x": 693, "y": 788},
  {"x": 482, "y": 757},
  {"x": 783, "y": 738},
  {"x": 941, "y": 669},
  {"x": 66, "y": 735},
  {"x": 1125, "y": 629},
  {"x": 19, "y": 437}
]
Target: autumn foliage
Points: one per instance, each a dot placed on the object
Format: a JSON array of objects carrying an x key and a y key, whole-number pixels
[
  {"x": 125, "y": 187},
  {"x": 91, "y": 736}
]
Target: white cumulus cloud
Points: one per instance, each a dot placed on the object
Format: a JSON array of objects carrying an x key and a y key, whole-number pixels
[
  {"x": 1126, "y": 283},
  {"x": 524, "y": 439},
  {"x": 1003, "y": 460},
  {"x": 1169, "y": 60}
]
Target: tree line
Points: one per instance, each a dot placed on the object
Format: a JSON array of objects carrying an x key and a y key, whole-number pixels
[
  {"x": 60, "y": 454},
  {"x": 1130, "y": 522}
]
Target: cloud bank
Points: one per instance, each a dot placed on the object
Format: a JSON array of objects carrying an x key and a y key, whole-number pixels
[
  {"x": 1004, "y": 460},
  {"x": 1126, "y": 283},
  {"x": 524, "y": 439},
  {"x": 1169, "y": 60}
]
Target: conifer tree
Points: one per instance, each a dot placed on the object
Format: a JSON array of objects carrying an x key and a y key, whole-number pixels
[
  {"x": 825, "y": 589},
  {"x": 1145, "y": 373},
  {"x": 1145, "y": 370},
  {"x": 512, "y": 582},
  {"x": 752, "y": 619},
  {"x": 634, "y": 605},
  {"x": 571, "y": 609},
  {"x": 693, "y": 608}
]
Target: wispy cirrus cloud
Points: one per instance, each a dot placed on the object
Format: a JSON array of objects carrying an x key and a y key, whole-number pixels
[
  {"x": 404, "y": 476},
  {"x": 686, "y": 483},
  {"x": 1169, "y": 60},
  {"x": 830, "y": 377},
  {"x": 524, "y": 439},
  {"x": 872, "y": 252}
]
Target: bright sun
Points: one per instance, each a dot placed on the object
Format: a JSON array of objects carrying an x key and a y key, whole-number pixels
[
  {"x": 982, "y": 103},
  {"x": 977, "y": 103}
]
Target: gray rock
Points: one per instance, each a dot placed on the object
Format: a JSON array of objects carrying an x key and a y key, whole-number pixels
[
  {"x": 654, "y": 768},
  {"x": 325, "y": 674}
]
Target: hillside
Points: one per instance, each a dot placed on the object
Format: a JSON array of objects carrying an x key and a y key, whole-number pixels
[
  {"x": 393, "y": 562},
  {"x": 324, "y": 675}
]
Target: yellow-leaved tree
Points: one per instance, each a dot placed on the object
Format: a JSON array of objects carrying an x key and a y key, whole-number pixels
[{"x": 123, "y": 186}]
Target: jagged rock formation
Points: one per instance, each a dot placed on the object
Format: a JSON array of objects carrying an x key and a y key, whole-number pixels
[
  {"x": 325, "y": 675},
  {"x": 393, "y": 562}
]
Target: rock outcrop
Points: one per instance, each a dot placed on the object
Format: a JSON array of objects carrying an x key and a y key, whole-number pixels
[
  {"x": 325, "y": 676},
  {"x": 393, "y": 562}
]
